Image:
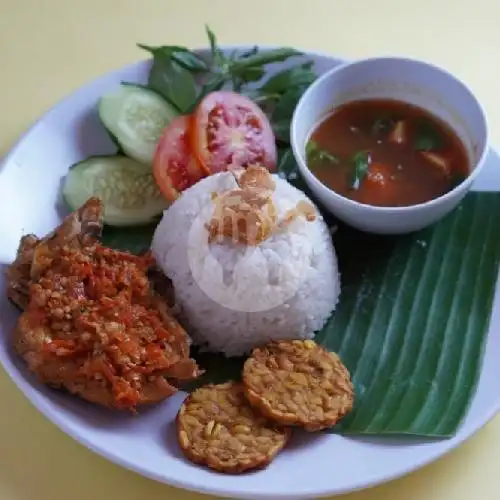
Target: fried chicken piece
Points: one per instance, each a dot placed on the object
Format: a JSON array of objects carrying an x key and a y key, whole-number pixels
[
  {"x": 18, "y": 273},
  {"x": 80, "y": 228},
  {"x": 95, "y": 327}
]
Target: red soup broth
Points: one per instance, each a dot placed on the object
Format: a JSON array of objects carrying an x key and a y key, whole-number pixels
[{"x": 386, "y": 153}]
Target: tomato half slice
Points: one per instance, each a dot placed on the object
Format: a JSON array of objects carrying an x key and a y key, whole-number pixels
[
  {"x": 174, "y": 166},
  {"x": 228, "y": 129}
]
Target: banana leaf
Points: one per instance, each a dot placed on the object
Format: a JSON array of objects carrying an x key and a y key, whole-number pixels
[{"x": 411, "y": 324}]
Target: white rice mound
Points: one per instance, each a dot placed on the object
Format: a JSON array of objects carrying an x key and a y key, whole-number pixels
[{"x": 233, "y": 297}]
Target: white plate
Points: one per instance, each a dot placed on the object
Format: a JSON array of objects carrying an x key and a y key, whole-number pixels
[{"x": 312, "y": 465}]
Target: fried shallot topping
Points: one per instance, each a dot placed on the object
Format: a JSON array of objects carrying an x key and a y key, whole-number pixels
[{"x": 247, "y": 214}]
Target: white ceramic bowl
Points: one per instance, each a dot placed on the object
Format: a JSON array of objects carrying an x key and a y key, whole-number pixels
[{"x": 408, "y": 80}]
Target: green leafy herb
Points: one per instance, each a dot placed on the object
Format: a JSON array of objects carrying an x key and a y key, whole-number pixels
[
  {"x": 218, "y": 58},
  {"x": 250, "y": 67},
  {"x": 315, "y": 153},
  {"x": 427, "y": 138},
  {"x": 264, "y": 58},
  {"x": 297, "y": 76},
  {"x": 288, "y": 168},
  {"x": 139, "y": 85},
  {"x": 217, "y": 369},
  {"x": 247, "y": 75},
  {"x": 361, "y": 162},
  {"x": 136, "y": 240},
  {"x": 183, "y": 78},
  {"x": 382, "y": 126},
  {"x": 282, "y": 114},
  {"x": 181, "y": 55},
  {"x": 215, "y": 82},
  {"x": 242, "y": 69},
  {"x": 172, "y": 80},
  {"x": 251, "y": 52},
  {"x": 280, "y": 94}
]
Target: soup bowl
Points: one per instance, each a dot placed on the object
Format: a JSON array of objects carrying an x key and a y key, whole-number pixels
[{"x": 414, "y": 82}]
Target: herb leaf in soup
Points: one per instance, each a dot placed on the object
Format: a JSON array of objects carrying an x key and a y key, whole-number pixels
[
  {"x": 427, "y": 138},
  {"x": 381, "y": 126},
  {"x": 315, "y": 153},
  {"x": 361, "y": 162}
]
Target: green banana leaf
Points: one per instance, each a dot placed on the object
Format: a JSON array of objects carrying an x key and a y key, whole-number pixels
[{"x": 412, "y": 320}]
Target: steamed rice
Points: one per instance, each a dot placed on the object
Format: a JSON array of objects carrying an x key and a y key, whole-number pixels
[{"x": 233, "y": 297}]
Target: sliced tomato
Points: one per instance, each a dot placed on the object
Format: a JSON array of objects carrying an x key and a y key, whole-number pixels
[
  {"x": 377, "y": 188},
  {"x": 174, "y": 166},
  {"x": 228, "y": 129}
]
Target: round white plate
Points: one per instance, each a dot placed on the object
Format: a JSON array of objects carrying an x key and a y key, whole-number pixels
[{"x": 312, "y": 465}]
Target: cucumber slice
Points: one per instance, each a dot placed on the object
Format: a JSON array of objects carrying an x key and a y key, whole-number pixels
[
  {"x": 129, "y": 193},
  {"x": 136, "y": 117}
]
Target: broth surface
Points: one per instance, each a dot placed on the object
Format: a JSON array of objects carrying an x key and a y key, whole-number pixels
[{"x": 386, "y": 153}]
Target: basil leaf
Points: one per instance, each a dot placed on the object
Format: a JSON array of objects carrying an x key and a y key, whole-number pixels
[
  {"x": 297, "y": 76},
  {"x": 135, "y": 239},
  {"x": 132, "y": 84},
  {"x": 266, "y": 57},
  {"x": 427, "y": 138},
  {"x": 215, "y": 82},
  {"x": 218, "y": 57},
  {"x": 288, "y": 168},
  {"x": 172, "y": 81},
  {"x": 254, "y": 50},
  {"x": 283, "y": 112},
  {"x": 251, "y": 74},
  {"x": 190, "y": 61},
  {"x": 181, "y": 55},
  {"x": 382, "y": 126},
  {"x": 361, "y": 163},
  {"x": 287, "y": 165},
  {"x": 246, "y": 75},
  {"x": 314, "y": 152}
]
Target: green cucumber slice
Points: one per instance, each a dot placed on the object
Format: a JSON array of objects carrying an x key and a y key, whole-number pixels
[
  {"x": 128, "y": 192},
  {"x": 136, "y": 117}
]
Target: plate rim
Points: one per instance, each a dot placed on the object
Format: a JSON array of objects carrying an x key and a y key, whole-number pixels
[{"x": 39, "y": 401}]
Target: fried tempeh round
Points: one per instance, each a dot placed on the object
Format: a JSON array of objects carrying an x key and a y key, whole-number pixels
[
  {"x": 217, "y": 427},
  {"x": 299, "y": 383}
]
